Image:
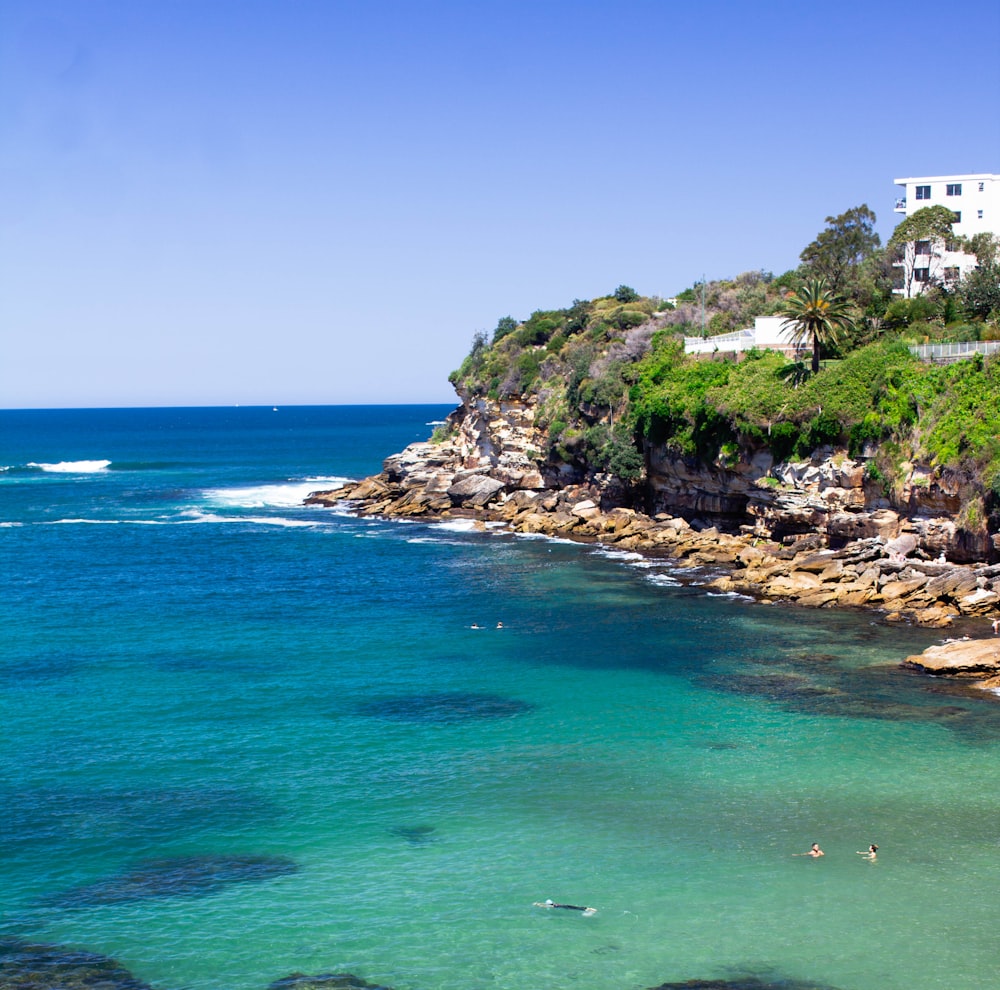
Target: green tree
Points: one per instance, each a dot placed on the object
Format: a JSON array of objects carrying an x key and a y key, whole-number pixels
[
  {"x": 980, "y": 290},
  {"x": 626, "y": 294},
  {"x": 922, "y": 237},
  {"x": 838, "y": 252},
  {"x": 505, "y": 325},
  {"x": 984, "y": 245},
  {"x": 817, "y": 317}
]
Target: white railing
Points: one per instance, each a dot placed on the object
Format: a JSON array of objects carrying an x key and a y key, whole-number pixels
[
  {"x": 945, "y": 353},
  {"x": 736, "y": 340}
]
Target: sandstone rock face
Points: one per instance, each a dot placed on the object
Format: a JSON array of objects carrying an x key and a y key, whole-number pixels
[
  {"x": 828, "y": 494},
  {"x": 474, "y": 489},
  {"x": 815, "y": 533},
  {"x": 961, "y": 658}
]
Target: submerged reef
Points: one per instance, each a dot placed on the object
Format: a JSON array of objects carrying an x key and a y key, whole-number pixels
[
  {"x": 744, "y": 983},
  {"x": 325, "y": 981},
  {"x": 455, "y": 706},
  {"x": 416, "y": 835},
  {"x": 183, "y": 876},
  {"x": 35, "y": 966}
]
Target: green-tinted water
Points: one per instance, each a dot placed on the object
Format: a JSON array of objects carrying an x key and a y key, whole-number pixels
[{"x": 247, "y": 739}]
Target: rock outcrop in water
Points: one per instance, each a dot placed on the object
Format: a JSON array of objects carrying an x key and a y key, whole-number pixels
[
  {"x": 975, "y": 660},
  {"x": 36, "y": 966}
]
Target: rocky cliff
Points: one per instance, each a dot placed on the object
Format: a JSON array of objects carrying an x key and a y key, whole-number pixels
[
  {"x": 829, "y": 495},
  {"x": 818, "y": 533}
]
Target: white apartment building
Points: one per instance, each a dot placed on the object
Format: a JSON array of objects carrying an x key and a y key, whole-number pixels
[{"x": 974, "y": 199}]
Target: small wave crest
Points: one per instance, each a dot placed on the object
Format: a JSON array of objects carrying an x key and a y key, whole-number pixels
[
  {"x": 282, "y": 496},
  {"x": 459, "y": 526},
  {"x": 71, "y": 467},
  {"x": 627, "y": 555},
  {"x": 197, "y": 516},
  {"x": 663, "y": 580}
]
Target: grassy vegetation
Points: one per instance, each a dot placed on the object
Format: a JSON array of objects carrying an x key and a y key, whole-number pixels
[{"x": 610, "y": 377}]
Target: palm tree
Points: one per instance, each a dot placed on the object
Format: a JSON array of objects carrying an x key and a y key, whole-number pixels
[{"x": 816, "y": 316}]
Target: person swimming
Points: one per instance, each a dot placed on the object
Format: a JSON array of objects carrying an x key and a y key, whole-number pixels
[
  {"x": 869, "y": 853},
  {"x": 586, "y": 911},
  {"x": 814, "y": 851}
]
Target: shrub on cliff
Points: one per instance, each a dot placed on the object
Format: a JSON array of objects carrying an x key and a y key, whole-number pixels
[{"x": 608, "y": 387}]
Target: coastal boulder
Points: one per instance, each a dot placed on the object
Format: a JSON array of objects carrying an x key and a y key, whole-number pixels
[
  {"x": 959, "y": 658},
  {"x": 474, "y": 489}
]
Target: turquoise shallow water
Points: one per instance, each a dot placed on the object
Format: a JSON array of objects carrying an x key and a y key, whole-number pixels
[{"x": 243, "y": 738}]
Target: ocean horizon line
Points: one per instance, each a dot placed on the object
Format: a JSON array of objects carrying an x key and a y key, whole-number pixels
[{"x": 237, "y": 405}]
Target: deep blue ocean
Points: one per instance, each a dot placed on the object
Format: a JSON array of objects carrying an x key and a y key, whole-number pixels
[{"x": 243, "y": 738}]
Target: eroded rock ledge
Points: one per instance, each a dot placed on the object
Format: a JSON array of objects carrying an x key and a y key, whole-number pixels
[
  {"x": 977, "y": 660},
  {"x": 894, "y": 575}
]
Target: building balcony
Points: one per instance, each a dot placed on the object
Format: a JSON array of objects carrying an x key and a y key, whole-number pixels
[{"x": 900, "y": 206}]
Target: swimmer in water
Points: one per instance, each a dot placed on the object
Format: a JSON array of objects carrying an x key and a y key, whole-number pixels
[
  {"x": 586, "y": 911},
  {"x": 869, "y": 853},
  {"x": 814, "y": 851}
]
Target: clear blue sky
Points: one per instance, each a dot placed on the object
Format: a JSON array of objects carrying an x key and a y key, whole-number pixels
[{"x": 320, "y": 201}]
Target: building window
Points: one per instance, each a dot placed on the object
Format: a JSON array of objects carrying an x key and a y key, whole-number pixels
[
  {"x": 981, "y": 184},
  {"x": 979, "y": 214},
  {"x": 921, "y": 274},
  {"x": 951, "y": 274},
  {"x": 954, "y": 189},
  {"x": 923, "y": 247},
  {"x": 923, "y": 192},
  {"x": 956, "y": 216}
]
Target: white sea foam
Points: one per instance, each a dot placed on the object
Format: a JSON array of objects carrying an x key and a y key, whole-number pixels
[
  {"x": 436, "y": 541},
  {"x": 627, "y": 555},
  {"x": 72, "y": 467},
  {"x": 85, "y": 522},
  {"x": 292, "y": 493},
  {"x": 197, "y": 516},
  {"x": 663, "y": 580},
  {"x": 108, "y": 522},
  {"x": 729, "y": 594},
  {"x": 546, "y": 538},
  {"x": 10, "y": 525},
  {"x": 458, "y": 525}
]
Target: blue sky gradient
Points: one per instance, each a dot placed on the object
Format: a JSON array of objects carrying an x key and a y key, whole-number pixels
[{"x": 234, "y": 201}]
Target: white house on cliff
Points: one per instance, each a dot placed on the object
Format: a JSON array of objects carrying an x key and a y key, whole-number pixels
[
  {"x": 773, "y": 333},
  {"x": 973, "y": 198}
]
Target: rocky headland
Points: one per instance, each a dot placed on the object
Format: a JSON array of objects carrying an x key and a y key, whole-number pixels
[{"x": 811, "y": 534}]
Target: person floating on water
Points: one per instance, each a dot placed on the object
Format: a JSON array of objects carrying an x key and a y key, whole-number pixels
[
  {"x": 869, "y": 853},
  {"x": 814, "y": 851},
  {"x": 586, "y": 911}
]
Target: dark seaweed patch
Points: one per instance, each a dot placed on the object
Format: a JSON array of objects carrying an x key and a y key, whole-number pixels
[
  {"x": 447, "y": 707},
  {"x": 49, "y": 815},
  {"x": 815, "y": 685},
  {"x": 743, "y": 983},
  {"x": 43, "y": 667},
  {"x": 416, "y": 835},
  {"x": 184, "y": 876},
  {"x": 31, "y": 966},
  {"x": 325, "y": 981}
]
